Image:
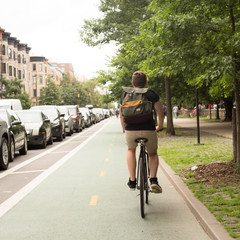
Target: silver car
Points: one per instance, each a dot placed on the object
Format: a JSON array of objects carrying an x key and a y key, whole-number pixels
[{"x": 4, "y": 145}]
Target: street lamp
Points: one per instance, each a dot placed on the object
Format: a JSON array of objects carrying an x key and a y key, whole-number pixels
[{"x": 35, "y": 81}]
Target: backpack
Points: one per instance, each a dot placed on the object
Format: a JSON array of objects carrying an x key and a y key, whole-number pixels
[{"x": 136, "y": 108}]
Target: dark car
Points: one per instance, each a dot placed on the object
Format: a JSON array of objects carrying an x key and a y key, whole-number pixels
[
  {"x": 68, "y": 119},
  {"x": 38, "y": 127},
  {"x": 4, "y": 146},
  {"x": 56, "y": 118},
  {"x": 17, "y": 133},
  {"x": 86, "y": 116},
  {"x": 76, "y": 116}
]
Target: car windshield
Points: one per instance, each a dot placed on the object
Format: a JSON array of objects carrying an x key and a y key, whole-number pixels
[
  {"x": 4, "y": 116},
  {"x": 50, "y": 112},
  {"x": 30, "y": 117},
  {"x": 72, "y": 111},
  {"x": 63, "y": 110}
]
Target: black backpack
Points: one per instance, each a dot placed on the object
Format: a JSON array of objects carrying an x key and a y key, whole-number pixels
[{"x": 136, "y": 108}]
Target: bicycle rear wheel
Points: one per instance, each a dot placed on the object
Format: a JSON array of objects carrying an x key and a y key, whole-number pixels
[
  {"x": 142, "y": 185},
  {"x": 146, "y": 177}
]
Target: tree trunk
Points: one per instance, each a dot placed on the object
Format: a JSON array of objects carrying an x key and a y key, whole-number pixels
[
  {"x": 170, "y": 127},
  {"x": 228, "y": 108}
]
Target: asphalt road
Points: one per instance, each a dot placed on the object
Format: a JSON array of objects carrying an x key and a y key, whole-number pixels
[{"x": 79, "y": 191}]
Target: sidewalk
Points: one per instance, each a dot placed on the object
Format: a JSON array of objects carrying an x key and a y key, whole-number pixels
[{"x": 219, "y": 128}]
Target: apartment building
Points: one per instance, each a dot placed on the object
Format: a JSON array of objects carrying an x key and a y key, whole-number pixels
[
  {"x": 33, "y": 71},
  {"x": 15, "y": 60}
]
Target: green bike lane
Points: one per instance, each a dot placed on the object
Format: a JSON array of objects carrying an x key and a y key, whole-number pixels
[{"x": 87, "y": 198}]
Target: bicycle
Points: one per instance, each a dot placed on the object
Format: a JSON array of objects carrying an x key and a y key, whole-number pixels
[{"x": 143, "y": 174}]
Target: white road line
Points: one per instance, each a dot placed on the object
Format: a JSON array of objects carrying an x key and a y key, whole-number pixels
[
  {"x": 32, "y": 171},
  {"x": 13, "y": 169},
  {"x": 18, "y": 196}
]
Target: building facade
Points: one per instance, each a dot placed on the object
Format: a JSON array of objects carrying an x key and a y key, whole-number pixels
[
  {"x": 33, "y": 71},
  {"x": 15, "y": 60}
]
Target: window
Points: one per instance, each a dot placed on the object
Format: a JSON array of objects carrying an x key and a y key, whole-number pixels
[
  {"x": 15, "y": 72},
  {"x": 19, "y": 74},
  {"x": 23, "y": 59},
  {"x": 3, "y": 68},
  {"x": 10, "y": 53},
  {"x": 19, "y": 58},
  {"x": 40, "y": 67},
  {"x": 10, "y": 71},
  {"x": 35, "y": 79},
  {"x": 34, "y": 92},
  {"x": 41, "y": 79},
  {"x": 34, "y": 67},
  {"x": 14, "y": 55},
  {"x": 23, "y": 74},
  {"x": 3, "y": 50}
]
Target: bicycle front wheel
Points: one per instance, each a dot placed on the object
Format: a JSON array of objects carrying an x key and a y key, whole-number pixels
[{"x": 142, "y": 185}]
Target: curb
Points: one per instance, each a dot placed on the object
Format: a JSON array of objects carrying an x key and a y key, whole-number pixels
[{"x": 211, "y": 226}]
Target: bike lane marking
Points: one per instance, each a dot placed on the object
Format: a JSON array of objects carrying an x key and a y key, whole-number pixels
[
  {"x": 18, "y": 196},
  {"x": 93, "y": 201}
]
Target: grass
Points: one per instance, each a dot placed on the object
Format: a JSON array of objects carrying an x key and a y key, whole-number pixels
[{"x": 223, "y": 200}]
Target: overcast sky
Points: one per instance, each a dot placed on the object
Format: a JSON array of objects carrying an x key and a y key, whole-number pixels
[{"x": 50, "y": 28}]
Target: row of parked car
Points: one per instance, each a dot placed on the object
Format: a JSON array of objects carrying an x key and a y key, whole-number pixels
[{"x": 39, "y": 125}]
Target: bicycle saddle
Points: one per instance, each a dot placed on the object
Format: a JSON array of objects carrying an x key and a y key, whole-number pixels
[{"x": 138, "y": 140}]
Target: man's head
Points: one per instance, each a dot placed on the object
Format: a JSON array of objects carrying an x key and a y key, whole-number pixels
[{"x": 139, "y": 79}]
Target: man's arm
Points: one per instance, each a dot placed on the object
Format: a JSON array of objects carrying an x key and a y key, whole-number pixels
[
  {"x": 160, "y": 115},
  {"x": 121, "y": 119}
]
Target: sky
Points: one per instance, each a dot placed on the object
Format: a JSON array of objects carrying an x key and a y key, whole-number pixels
[{"x": 51, "y": 29}]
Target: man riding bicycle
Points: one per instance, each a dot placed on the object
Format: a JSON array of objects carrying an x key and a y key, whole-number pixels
[{"x": 143, "y": 130}]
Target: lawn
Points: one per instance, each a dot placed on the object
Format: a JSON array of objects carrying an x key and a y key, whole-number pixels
[{"x": 222, "y": 198}]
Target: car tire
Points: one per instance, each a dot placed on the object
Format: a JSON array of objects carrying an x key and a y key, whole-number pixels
[
  {"x": 64, "y": 134},
  {"x": 23, "y": 151},
  {"x": 44, "y": 143},
  {"x": 4, "y": 154},
  {"x": 60, "y": 138},
  {"x": 11, "y": 150},
  {"x": 50, "y": 141}
]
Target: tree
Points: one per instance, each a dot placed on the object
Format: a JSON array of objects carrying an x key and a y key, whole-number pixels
[
  {"x": 13, "y": 89},
  {"x": 25, "y": 100},
  {"x": 51, "y": 94},
  {"x": 119, "y": 22}
]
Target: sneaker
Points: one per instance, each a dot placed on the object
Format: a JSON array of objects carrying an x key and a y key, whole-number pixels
[
  {"x": 132, "y": 184},
  {"x": 156, "y": 188}
]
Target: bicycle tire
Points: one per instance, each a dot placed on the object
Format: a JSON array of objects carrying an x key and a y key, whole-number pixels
[
  {"x": 142, "y": 185},
  {"x": 146, "y": 178}
]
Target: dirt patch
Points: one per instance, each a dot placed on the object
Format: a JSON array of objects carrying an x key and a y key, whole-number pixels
[{"x": 215, "y": 173}]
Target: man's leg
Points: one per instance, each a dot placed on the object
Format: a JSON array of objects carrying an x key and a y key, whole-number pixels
[
  {"x": 153, "y": 164},
  {"x": 131, "y": 162}
]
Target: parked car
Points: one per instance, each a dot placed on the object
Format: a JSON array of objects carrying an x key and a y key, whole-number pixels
[
  {"x": 56, "y": 118},
  {"x": 17, "y": 133},
  {"x": 4, "y": 146},
  {"x": 13, "y": 104},
  {"x": 77, "y": 118},
  {"x": 38, "y": 127},
  {"x": 106, "y": 113},
  {"x": 99, "y": 114},
  {"x": 92, "y": 115},
  {"x": 86, "y": 116},
  {"x": 68, "y": 119}
]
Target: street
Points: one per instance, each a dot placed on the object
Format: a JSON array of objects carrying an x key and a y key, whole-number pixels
[{"x": 76, "y": 189}]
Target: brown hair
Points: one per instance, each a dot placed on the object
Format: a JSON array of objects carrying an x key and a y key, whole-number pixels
[{"x": 139, "y": 79}]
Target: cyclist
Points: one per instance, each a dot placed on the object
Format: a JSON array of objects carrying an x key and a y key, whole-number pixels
[{"x": 146, "y": 130}]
